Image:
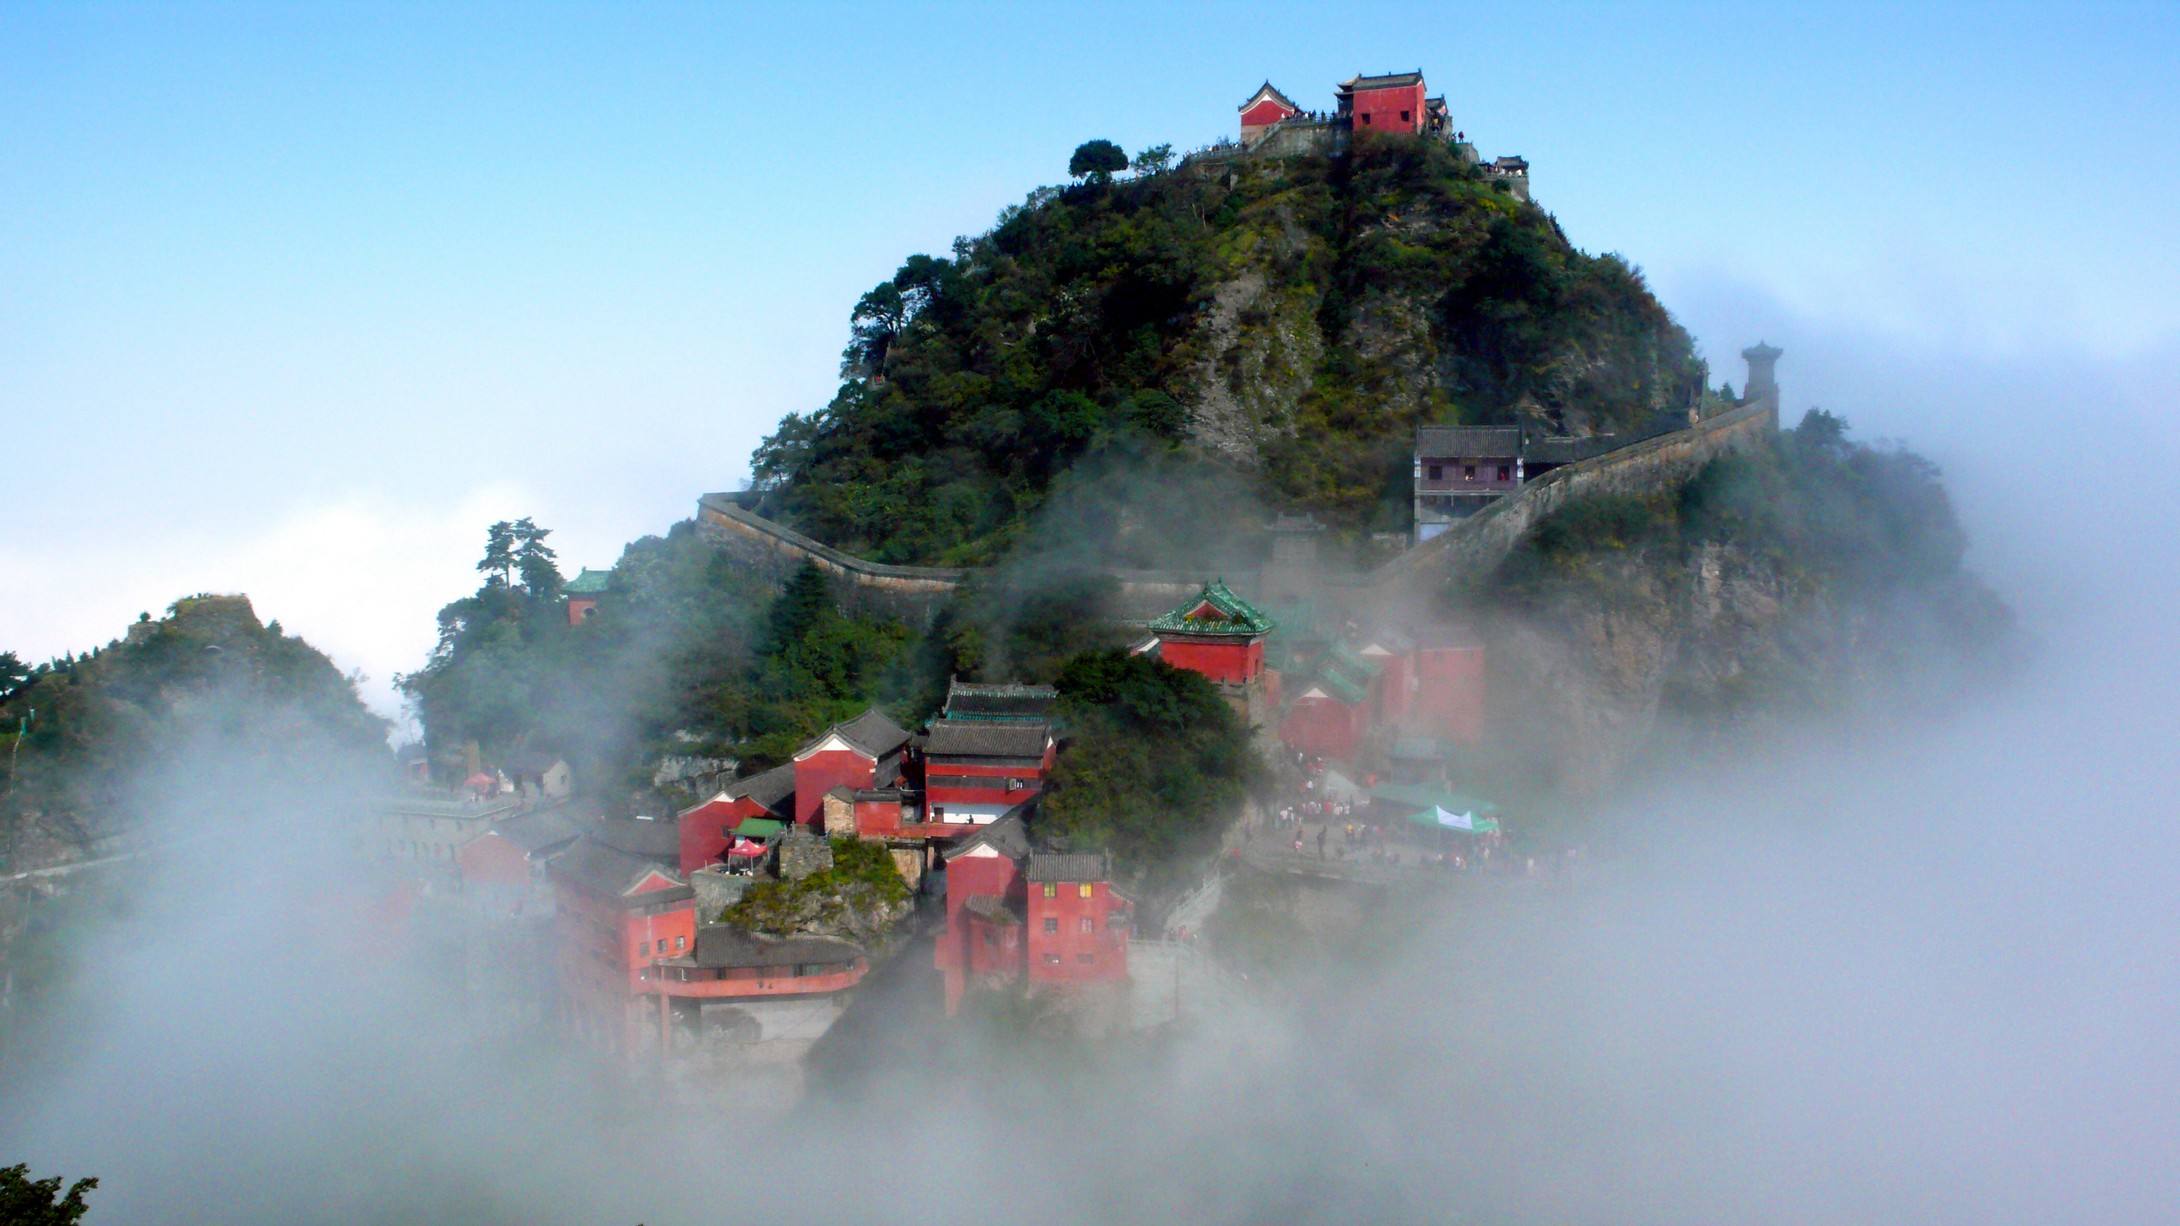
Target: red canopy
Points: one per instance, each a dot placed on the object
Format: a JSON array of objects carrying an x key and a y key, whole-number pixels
[
  {"x": 480, "y": 780},
  {"x": 746, "y": 847}
]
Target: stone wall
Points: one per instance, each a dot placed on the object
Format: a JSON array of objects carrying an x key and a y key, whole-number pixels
[
  {"x": 1471, "y": 546},
  {"x": 1474, "y": 546}
]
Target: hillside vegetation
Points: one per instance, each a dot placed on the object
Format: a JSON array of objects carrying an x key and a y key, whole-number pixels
[
  {"x": 205, "y": 709},
  {"x": 1286, "y": 322}
]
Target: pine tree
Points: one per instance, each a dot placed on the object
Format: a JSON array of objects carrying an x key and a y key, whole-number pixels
[
  {"x": 499, "y": 554},
  {"x": 534, "y": 559}
]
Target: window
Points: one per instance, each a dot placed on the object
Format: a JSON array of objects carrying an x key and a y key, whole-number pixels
[
  {"x": 1086, "y": 957},
  {"x": 1083, "y": 890},
  {"x": 1088, "y": 924},
  {"x": 1506, "y": 472},
  {"x": 1468, "y": 472},
  {"x": 1438, "y": 472},
  {"x": 680, "y": 943},
  {"x": 1052, "y": 889},
  {"x": 1405, "y": 117},
  {"x": 1366, "y": 119},
  {"x": 1052, "y": 959},
  {"x": 1051, "y": 925}
]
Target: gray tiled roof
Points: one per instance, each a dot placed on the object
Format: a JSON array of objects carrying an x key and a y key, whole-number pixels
[
  {"x": 772, "y": 788},
  {"x": 1468, "y": 442},
  {"x": 1008, "y": 836},
  {"x": 952, "y": 738},
  {"x": 1388, "y": 81},
  {"x": 976, "y": 701},
  {"x": 541, "y": 831},
  {"x": 1067, "y": 867},
  {"x": 605, "y": 870},
  {"x": 721, "y": 945},
  {"x": 652, "y": 838},
  {"x": 872, "y": 733}
]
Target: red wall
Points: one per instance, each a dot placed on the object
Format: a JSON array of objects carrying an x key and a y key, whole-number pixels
[
  {"x": 1449, "y": 696},
  {"x": 705, "y": 830},
  {"x": 1263, "y": 115},
  {"x": 1099, "y": 955},
  {"x": 822, "y": 772},
  {"x": 1326, "y": 727},
  {"x": 937, "y": 795},
  {"x": 579, "y": 607},
  {"x": 1393, "y": 696},
  {"x": 604, "y": 945},
  {"x": 1378, "y": 110},
  {"x": 956, "y": 954},
  {"x": 489, "y": 860},
  {"x": 1233, "y": 660}
]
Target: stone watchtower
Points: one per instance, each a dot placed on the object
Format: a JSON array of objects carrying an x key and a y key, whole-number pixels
[{"x": 1763, "y": 383}]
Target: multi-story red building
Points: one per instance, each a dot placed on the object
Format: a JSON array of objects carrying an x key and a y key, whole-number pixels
[
  {"x": 1078, "y": 925},
  {"x": 706, "y": 830},
  {"x": 862, "y": 753},
  {"x": 976, "y": 770},
  {"x": 617, "y": 913},
  {"x": 1393, "y": 103},
  {"x": 983, "y": 940},
  {"x": 731, "y": 980},
  {"x": 1215, "y": 633}
]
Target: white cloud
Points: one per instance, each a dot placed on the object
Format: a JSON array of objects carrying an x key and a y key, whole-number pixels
[{"x": 360, "y": 577}]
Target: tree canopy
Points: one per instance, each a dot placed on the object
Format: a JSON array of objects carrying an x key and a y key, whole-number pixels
[{"x": 1097, "y": 160}]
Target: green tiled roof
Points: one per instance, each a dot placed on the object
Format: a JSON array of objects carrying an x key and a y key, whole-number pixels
[
  {"x": 1347, "y": 660},
  {"x": 1230, "y": 615},
  {"x": 1341, "y": 686},
  {"x": 589, "y": 583},
  {"x": 759, "y": 828}
]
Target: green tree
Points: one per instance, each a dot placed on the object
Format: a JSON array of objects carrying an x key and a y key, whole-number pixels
[
  {"x": 1156, "y": 160},
  {"x": 1155, "y": 765},
  {"x": 498, "y": 564},
  {"x": 1097, "y": 160},
  {"x": 534, "y": 560},
  {"x": 39, "y": 1202},
  {"x": 13, "y": 673}
]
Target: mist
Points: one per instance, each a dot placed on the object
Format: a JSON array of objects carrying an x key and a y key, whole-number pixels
[{"x": 1899, "y": 969}]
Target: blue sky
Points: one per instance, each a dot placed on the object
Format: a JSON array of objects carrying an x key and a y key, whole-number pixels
[{"x": 294, "y": 299}]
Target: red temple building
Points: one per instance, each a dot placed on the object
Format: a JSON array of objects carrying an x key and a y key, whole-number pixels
[
  {"x": 1389, "y": 103},
  {"x": 989, "y": 750},
  {"x": 583, "y": 593},
  {"x": 733, "y": 981},
  {"x": 618, "y": 913},
  {"x": 1264, "y": 108},
  {"x": 974, "y": 770},
  {"x": 1335, "y": 708},
  {"x": 862, "y": 753},
  {"x": 503, "y": 869},
  {"x": 1078, "y": 924},
  {"x": 1449, "y": 686},
  {"x": 706, "y": 830},
  {"x": 983, "y": 941},
  {"x": 1215, "y": 633},
  {"x": 1013, "y": 915}
]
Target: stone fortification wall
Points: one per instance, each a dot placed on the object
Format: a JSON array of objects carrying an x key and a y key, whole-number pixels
[
  {"x": 772, "y": 551},
  {"x": 1477, "y": 544},
  {"x": 1471, "y": 547}
]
